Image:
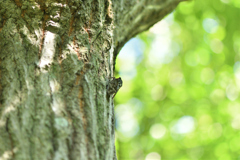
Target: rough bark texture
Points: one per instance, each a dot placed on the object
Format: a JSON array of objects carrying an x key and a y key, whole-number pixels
[{"x": 56, "y": 59}]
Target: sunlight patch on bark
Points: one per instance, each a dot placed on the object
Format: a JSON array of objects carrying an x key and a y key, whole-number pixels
[
  {"x": 52, "y": 23},
  {"x": 6, "y": 155},
  {"x": 32, "y": 38},
  {"x": 55, "y": 86},
  {"x": 2, "y": 124},
  {"x": 30, "y": 87},
  {"x": 57, "y": 106},
  {"x": 154, "y": 7},
  {"x": 48, "y": 49},
  {"x": 8, "y": 109},
  {"x": 57, "y": 103}
]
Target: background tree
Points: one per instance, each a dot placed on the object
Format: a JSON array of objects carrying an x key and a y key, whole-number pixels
[
  {"x": 56, "y": 60},
  {"x": 180, "y": 98}
]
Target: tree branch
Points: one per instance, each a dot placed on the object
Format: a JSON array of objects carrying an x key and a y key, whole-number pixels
[{"x": 134, "y": 16}]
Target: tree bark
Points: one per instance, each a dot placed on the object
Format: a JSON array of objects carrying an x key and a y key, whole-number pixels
[{"x": 56, "y": 60}]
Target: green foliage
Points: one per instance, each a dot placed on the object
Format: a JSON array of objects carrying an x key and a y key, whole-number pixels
[{"x": 181, "y": 83}]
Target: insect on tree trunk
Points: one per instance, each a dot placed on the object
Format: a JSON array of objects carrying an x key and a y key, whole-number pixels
[{"x": 56, "y": 68}]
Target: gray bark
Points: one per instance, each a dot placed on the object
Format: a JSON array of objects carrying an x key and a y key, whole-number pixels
[{"x": 56, "y": 58}]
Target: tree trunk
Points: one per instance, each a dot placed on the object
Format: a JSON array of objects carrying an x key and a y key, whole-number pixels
[{"x": 56, "y": 61}]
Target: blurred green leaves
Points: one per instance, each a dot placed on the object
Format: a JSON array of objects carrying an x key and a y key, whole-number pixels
[{"x": 181, "y": 83}]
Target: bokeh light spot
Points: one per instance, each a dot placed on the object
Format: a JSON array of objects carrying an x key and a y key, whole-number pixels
[
  {"x": 157, "y": 131},
  {"x": 210, "y": 25},
  {"x": 184, "y": 125},
  {"x": 207, "y": 75},
  {"x": 126, "y": 124},
  {"x": 215, "y": 131},
  {"x": 157, "y": 93},
  {"x": 236, "y": 122},
  {"x": 153, "y": 156},
  {"x": 232, "y": 92},
  {"x": 216, "y": 46}
]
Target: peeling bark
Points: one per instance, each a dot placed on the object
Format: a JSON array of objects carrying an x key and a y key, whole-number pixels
[{"x": 56, "y": 58}]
